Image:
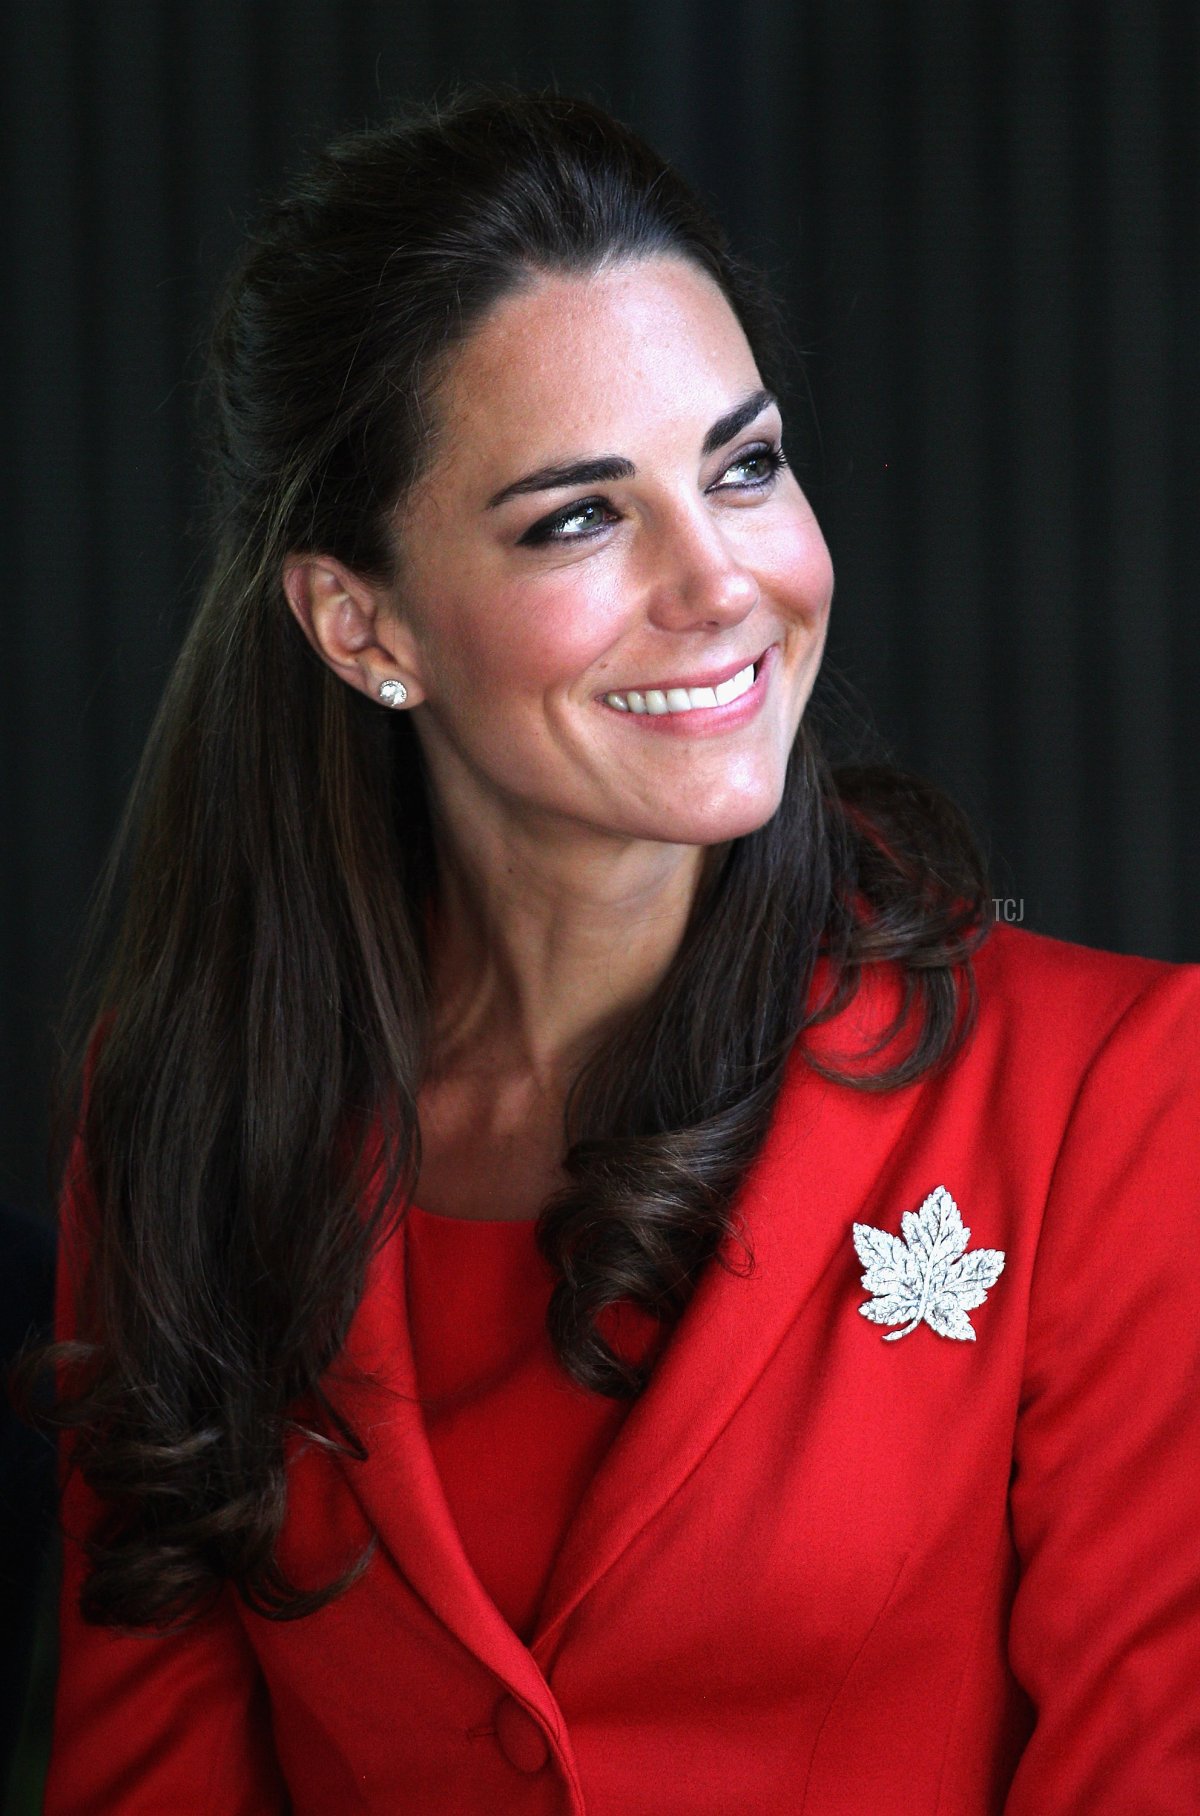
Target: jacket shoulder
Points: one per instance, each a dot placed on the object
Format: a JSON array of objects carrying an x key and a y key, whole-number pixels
[
  {"x": 1033, "y": 986},
  {"x": 1043, "y": 1008}
]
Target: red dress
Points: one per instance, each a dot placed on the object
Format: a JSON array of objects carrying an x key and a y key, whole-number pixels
[{"x": 515, "y": 1440}]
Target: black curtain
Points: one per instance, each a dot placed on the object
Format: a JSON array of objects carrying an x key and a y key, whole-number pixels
[{"x": 984, "y": 218}]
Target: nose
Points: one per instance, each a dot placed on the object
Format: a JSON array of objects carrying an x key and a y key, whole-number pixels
[{"x": 698, "y": 581}]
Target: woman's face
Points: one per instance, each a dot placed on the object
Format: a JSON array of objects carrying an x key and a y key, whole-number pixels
[{"x": 537, "y": 608}]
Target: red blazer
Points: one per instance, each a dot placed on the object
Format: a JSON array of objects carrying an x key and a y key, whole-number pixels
[{"x": 821, "y": 1572}]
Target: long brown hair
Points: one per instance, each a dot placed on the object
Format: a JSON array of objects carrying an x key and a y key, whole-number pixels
[{"x": 257, "y": 1034}]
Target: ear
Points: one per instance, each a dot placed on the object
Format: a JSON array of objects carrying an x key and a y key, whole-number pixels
[{"x": 348, "y": 624}]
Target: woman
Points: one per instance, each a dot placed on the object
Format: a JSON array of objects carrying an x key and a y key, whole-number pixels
[{"x": 523, "y": 1061}]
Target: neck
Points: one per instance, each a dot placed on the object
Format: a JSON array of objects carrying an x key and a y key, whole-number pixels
[{"x": 541, "y": 946}]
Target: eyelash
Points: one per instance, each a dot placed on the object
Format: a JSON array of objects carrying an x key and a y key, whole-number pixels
[{"x": 548, "y": 530}]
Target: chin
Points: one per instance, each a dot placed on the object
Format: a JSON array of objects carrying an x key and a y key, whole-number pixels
[{"x": 717, "y": 824}]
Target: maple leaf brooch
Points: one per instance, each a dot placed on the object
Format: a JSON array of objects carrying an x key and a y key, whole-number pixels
[{"x": 926, "y": 1278}]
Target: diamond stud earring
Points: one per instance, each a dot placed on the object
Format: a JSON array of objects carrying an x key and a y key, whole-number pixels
[{"x": 393, "y": 693}]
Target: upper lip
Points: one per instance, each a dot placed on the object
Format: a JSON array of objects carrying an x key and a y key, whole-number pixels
[{"x": 710, "y": 678}]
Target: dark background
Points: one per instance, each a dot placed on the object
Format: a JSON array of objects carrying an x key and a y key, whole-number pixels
[{"x": 984, "y": 218}]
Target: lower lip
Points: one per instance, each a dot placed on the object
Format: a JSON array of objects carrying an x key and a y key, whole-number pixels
[{"x": 702, "y": 721}]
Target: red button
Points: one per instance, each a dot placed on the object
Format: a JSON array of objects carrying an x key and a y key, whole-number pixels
[{"x": 521, "y": 1739}]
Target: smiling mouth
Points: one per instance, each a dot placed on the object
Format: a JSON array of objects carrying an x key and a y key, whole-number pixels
[{"x": 659, "y": 701}]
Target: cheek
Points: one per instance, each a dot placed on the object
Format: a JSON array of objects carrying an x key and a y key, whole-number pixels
[
  {"x": 567, "y": 627},
  {"x": 526, "y": 644},
  {"x": 801, "y": 572}
]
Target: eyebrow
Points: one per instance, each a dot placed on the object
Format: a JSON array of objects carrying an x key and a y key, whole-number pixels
[{"x": 615, "y": 466}]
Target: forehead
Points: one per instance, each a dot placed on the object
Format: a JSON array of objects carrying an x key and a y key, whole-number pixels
[{"x": 638, "y": 348}]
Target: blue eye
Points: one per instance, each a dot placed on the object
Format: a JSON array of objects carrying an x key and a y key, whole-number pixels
[
  {"x": 774, "y": 457},
  {"x": 554, "y": 529}
]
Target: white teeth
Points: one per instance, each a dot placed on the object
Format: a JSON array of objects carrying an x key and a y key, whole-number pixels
[
  {"x": 737, "y": 684},
  {"x": 684, "y": 699}
]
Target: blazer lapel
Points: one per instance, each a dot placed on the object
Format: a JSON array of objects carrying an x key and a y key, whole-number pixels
[
  {"x": 399, "y": 1488},
  {"x": 816, "y": 1170}
]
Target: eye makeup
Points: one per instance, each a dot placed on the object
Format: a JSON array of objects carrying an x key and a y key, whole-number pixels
[{"x": 552, "y": 529}]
